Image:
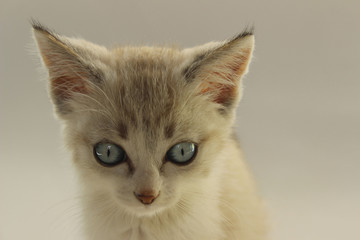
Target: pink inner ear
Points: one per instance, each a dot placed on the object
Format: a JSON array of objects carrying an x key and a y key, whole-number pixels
[
  {"x": 232, "y": 72},
  {"x": 226, "y": 94},
  {"x": 63, "y": 87},
  {"x": 223, "y": 93}
]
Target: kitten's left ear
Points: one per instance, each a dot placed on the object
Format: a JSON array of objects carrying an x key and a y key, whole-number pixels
[{"x": 219, "y": 67}]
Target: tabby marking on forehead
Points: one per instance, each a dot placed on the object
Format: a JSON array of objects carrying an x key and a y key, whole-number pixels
[
  {"x": 169, "y": 130},
  {"x": 122, "y": 130}
]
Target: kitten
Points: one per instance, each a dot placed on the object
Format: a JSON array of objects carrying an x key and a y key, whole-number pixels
[{"x": 150, "y": 131}]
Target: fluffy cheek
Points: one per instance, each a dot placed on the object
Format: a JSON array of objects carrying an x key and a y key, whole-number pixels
[
  {"x": 170, "y": 192},
  {"x": 97, "y": 179},
  {"x": 179, "y": 182}
]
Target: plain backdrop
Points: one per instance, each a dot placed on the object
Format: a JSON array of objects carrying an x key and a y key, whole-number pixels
[{"x": 298, "y": 121}]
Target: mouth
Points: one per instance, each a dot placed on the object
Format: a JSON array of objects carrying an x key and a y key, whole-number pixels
[
  {"x": 147, "y": 210},
  {"x": 147, "y": 207},
  {"x": 135, "y": 207}
]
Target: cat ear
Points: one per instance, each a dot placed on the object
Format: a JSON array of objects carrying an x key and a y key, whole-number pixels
[
  {"x": 65, "y": 59},
  {"x": 219, "y": 67}
]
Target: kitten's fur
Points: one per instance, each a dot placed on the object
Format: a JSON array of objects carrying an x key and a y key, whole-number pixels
[{"x": 147, "y": 99}]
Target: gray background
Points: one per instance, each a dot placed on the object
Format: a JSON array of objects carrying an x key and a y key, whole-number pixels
[{"x": 298, "y": 121}]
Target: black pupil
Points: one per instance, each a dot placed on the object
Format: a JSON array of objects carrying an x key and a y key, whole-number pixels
[
  {"x": 108, "y": 151},
  {"x": 182, "y": 151}
]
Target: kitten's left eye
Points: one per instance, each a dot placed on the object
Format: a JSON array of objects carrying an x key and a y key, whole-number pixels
[
  {"x": 182, "y": 153},
  {"x": 109, "y": 154}
]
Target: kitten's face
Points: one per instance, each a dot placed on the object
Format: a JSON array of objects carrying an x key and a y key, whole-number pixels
[
  {"x": 146, "y": 125},
  {"x": 146, "y": 119}
]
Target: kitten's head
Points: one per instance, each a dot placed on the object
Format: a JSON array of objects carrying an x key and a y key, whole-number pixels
[{"x": 146, "y": 125}]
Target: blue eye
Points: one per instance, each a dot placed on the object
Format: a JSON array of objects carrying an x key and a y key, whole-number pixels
[
  {"x": 182, "y": 153},
  {"x": 109, "y": 154}
]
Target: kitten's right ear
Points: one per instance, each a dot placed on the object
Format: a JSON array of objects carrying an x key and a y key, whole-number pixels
[{"x": 68, "y": 72}]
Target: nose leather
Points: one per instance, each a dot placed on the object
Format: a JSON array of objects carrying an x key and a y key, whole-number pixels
[{"x": 146, "y": 197}]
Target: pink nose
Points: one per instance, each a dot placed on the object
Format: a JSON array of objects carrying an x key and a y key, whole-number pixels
[{"x": 146, "y": 197}]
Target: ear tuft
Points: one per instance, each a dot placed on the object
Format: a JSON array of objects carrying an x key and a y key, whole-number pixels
[
  {"x": 249, "y": 31},
  {"x": 39, "y": 27}
]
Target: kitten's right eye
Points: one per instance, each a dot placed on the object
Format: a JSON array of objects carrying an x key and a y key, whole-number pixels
[{"x": 109, "y": 154}]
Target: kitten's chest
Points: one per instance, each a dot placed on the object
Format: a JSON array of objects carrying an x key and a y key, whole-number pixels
[
  {"x": 166, "y": 229},
  {"x": 134, "y": 232},
  {"x": 163, "y": 233},
  {"x": 145, "y": 231}
]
